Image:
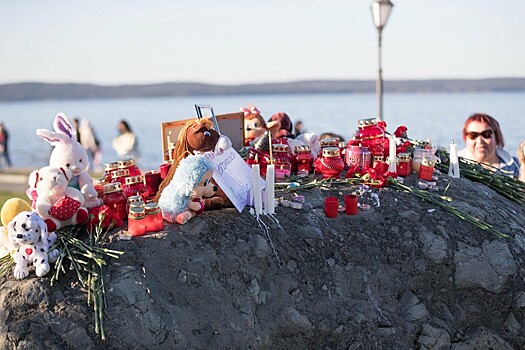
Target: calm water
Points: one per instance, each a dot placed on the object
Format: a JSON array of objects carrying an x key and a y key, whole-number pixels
[{"x": 438, "y": 116}]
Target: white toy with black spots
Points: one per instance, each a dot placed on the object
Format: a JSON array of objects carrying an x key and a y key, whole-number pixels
[{"x": 29, "y": 236}]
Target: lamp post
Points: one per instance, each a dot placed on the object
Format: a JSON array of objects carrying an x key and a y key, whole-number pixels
[{"x": 380, "y": 12}]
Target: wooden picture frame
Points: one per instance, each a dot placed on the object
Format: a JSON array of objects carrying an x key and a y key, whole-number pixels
[{"x": 230, "y": 124}]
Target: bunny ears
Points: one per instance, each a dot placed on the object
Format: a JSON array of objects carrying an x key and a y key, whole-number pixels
[
  {"x": 250, "y": 110},
  {"x": 64, "y": 130}
]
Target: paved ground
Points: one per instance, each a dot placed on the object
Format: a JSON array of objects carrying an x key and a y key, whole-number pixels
[{"x": 13, "y": 182}]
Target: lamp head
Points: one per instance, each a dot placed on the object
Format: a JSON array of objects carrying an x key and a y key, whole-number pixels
[{"x": 380, "y": 12}]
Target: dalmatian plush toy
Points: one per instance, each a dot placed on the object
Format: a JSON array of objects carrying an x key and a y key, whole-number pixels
[{"x": 29, "y": 236}]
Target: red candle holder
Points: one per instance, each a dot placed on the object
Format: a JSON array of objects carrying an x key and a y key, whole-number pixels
[
  {"x": 154, "y": 220},
  {"x": 370, "y": 135},
  {"x": 135, "y": 187},
  {"x": 303, "y": 160},
  {"x": 163, "y": 170},
  {"x": 331, "y": 205},
  {"x": 351, "y": 204},
  {"x": 137, "y": 221},
  {"x": 153, "y": 180},
  {"x": 426, "y": 170},
  {"x": 330, "y": 163},
  {"x": 115, "y": 199},
  {"x": 120, "y": 176},
  {"x": 108, "y": 169},
  {"x": 130, "y": 165},
  {"x": 404, "y": 165}
]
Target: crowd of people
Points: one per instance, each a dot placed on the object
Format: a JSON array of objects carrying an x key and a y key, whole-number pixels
[{"x": 481, "y": 133}]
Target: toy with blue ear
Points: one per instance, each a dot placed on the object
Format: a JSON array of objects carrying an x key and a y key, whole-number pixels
[
  {"x": 69, "y": 154},
  {"x": 183, "y": 197}
]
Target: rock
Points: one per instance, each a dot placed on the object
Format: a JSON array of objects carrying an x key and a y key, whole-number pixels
[
  {"x": 482, "y": 338},
  {"x": 78, "y": 339},
  {"x": 512, "y": 325},
  {"x": 488, "y": 267},
  {"x": 434, "y": 246},
  {"x": 433, "y": 338}
]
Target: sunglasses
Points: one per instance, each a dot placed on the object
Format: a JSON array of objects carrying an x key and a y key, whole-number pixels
[{"x": 487, "y": 134}]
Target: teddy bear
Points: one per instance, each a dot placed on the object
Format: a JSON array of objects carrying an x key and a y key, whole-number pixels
[
  {"x": 285, "y": 125},
  {"x": 182, "y": 199},
  {"x": 198, "y": 136},
  {"x": 9, "y": 210},
  {"x": 29, "y": 235},
  {"x": 69, "y": 154},
  {"x": 57, "y": 203},
  {"x": 255, "y": 126}
]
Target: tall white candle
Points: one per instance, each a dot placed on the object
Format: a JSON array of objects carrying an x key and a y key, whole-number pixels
[
  {"x": 270, "y": 189},
  {"x": 453, "y": 167},
  {"x": 392, "y": 166},
  {"x": 256, "y": 189}
]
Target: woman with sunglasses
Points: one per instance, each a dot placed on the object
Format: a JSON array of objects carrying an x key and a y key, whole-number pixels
[{"x": 484, "y": 144}]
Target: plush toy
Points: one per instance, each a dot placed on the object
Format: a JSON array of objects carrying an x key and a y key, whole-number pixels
[
  {"x": 254, "y": 125},
  {"x": 521, "y": 158},
  {"x": 285, "y": 125},
  {"x": 29, "y": 236},
  {"x": 69, "y": 154},
  {"x": 182, "y": 199},
  {"x": 57, "y": 203},
  {"x": 198, "y": 136},
  {"x": 9, "y": 210}
]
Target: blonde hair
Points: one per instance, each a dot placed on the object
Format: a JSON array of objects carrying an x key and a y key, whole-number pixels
[{"x": 181, "y": 151}]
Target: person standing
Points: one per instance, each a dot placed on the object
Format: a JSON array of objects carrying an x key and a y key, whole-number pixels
[
  {"x": 91, "y": 143},
  {"x": 4, "y": 150},
  {"x": 484, "y": 143},
  {"x": 125, "y": 143}
]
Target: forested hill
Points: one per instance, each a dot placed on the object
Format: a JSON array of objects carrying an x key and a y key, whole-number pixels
[{"x": 48, "y": 91}]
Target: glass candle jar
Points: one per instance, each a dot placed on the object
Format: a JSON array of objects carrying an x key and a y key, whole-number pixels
[
  {"x": 404, "y": 165},
  {"x": 370, "y": 135},
  {"x": 342, "y": 148},
  {"x": 108, "y": 169},
  {"x": 133, "y": 199},
  {"x": 426, "y": 170},
  {"x": 135, "y": 187},
  {"x": 120, "y": 176},
  {"x": 115, "y": 199},
  {"x": 328, "y": 142},
  {"x": 154, "y": 221},
  {"x": 379, "y": 164},
  {"x": 137, "y": 222},
  {"x": 153, "y": 180},
  {"x": 419, "y": 155},
  {"x": 99, "y": 184},
  {"x": 129, "y": 164},
  {"x": 283, "y": 161},
  {"x": 303, "y": 160},
  {"x": 330, "y": 163}
]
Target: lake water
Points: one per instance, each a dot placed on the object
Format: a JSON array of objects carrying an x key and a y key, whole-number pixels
[{"x": 438, "y": 116}]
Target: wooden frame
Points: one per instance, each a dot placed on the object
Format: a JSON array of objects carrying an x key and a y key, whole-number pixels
[{"x": 230, "y": 124}]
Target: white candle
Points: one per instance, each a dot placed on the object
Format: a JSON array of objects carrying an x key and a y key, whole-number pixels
[
  {"x": 270, "y": 189},
  {"x": 256, "y": 189},
  {"x": 453, "y": 167},
  {"x": 392, "y": 166}
]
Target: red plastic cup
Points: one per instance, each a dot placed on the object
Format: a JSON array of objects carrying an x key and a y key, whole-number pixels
[
  {"x": 163, "y": 169},
  {"x": 351, "y": 204},
  {"x": 331, "y": 204}
]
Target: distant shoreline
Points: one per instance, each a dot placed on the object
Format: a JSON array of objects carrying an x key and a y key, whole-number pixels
[{"x": 31, "y": 91}]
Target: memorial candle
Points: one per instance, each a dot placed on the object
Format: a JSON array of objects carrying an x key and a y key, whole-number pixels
[
  {"x": 270, "y": 189},
  {"x": 453, "y": 167},
  {"x": 392, "y": 167},
  {"x": 256, "y": 189}
]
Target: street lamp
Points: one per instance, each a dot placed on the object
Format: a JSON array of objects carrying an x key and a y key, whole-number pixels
[{"x": 380, "y": 12}]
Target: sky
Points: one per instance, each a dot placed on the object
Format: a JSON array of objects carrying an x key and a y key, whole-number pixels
[{"x": 113, "y": 42}]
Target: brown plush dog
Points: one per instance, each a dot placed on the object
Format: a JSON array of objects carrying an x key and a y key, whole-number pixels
[{"x": 196, "y": 135}]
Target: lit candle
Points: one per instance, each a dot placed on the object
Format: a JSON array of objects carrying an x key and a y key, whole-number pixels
[
  {"x": 256, "y": 189},
  {"x": 453, "y": 167},
  {"x": 392, "y": 154},
  {"x": 282, "y": 172},
  {"x": 270, "y": 189}
]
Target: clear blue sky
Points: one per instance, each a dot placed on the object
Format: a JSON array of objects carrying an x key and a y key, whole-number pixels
[{"x": 252, "y": 41}]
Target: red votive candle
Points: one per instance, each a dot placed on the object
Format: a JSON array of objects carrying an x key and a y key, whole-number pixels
[
  {"x": 153, "y": 180},
  {"x": 351, "y": 204},
  {"x": 331, "y": 204},
  {"x": 163, "y": 169}
]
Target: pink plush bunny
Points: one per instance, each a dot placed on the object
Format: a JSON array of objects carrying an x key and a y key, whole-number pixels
[{"x": 69, "y": 154}]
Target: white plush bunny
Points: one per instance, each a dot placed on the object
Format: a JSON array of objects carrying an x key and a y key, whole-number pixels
[{"x": 69, "y": 154}]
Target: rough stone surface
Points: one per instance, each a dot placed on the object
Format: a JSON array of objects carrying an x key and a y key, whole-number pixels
[{"x": 395, "y": 277}]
